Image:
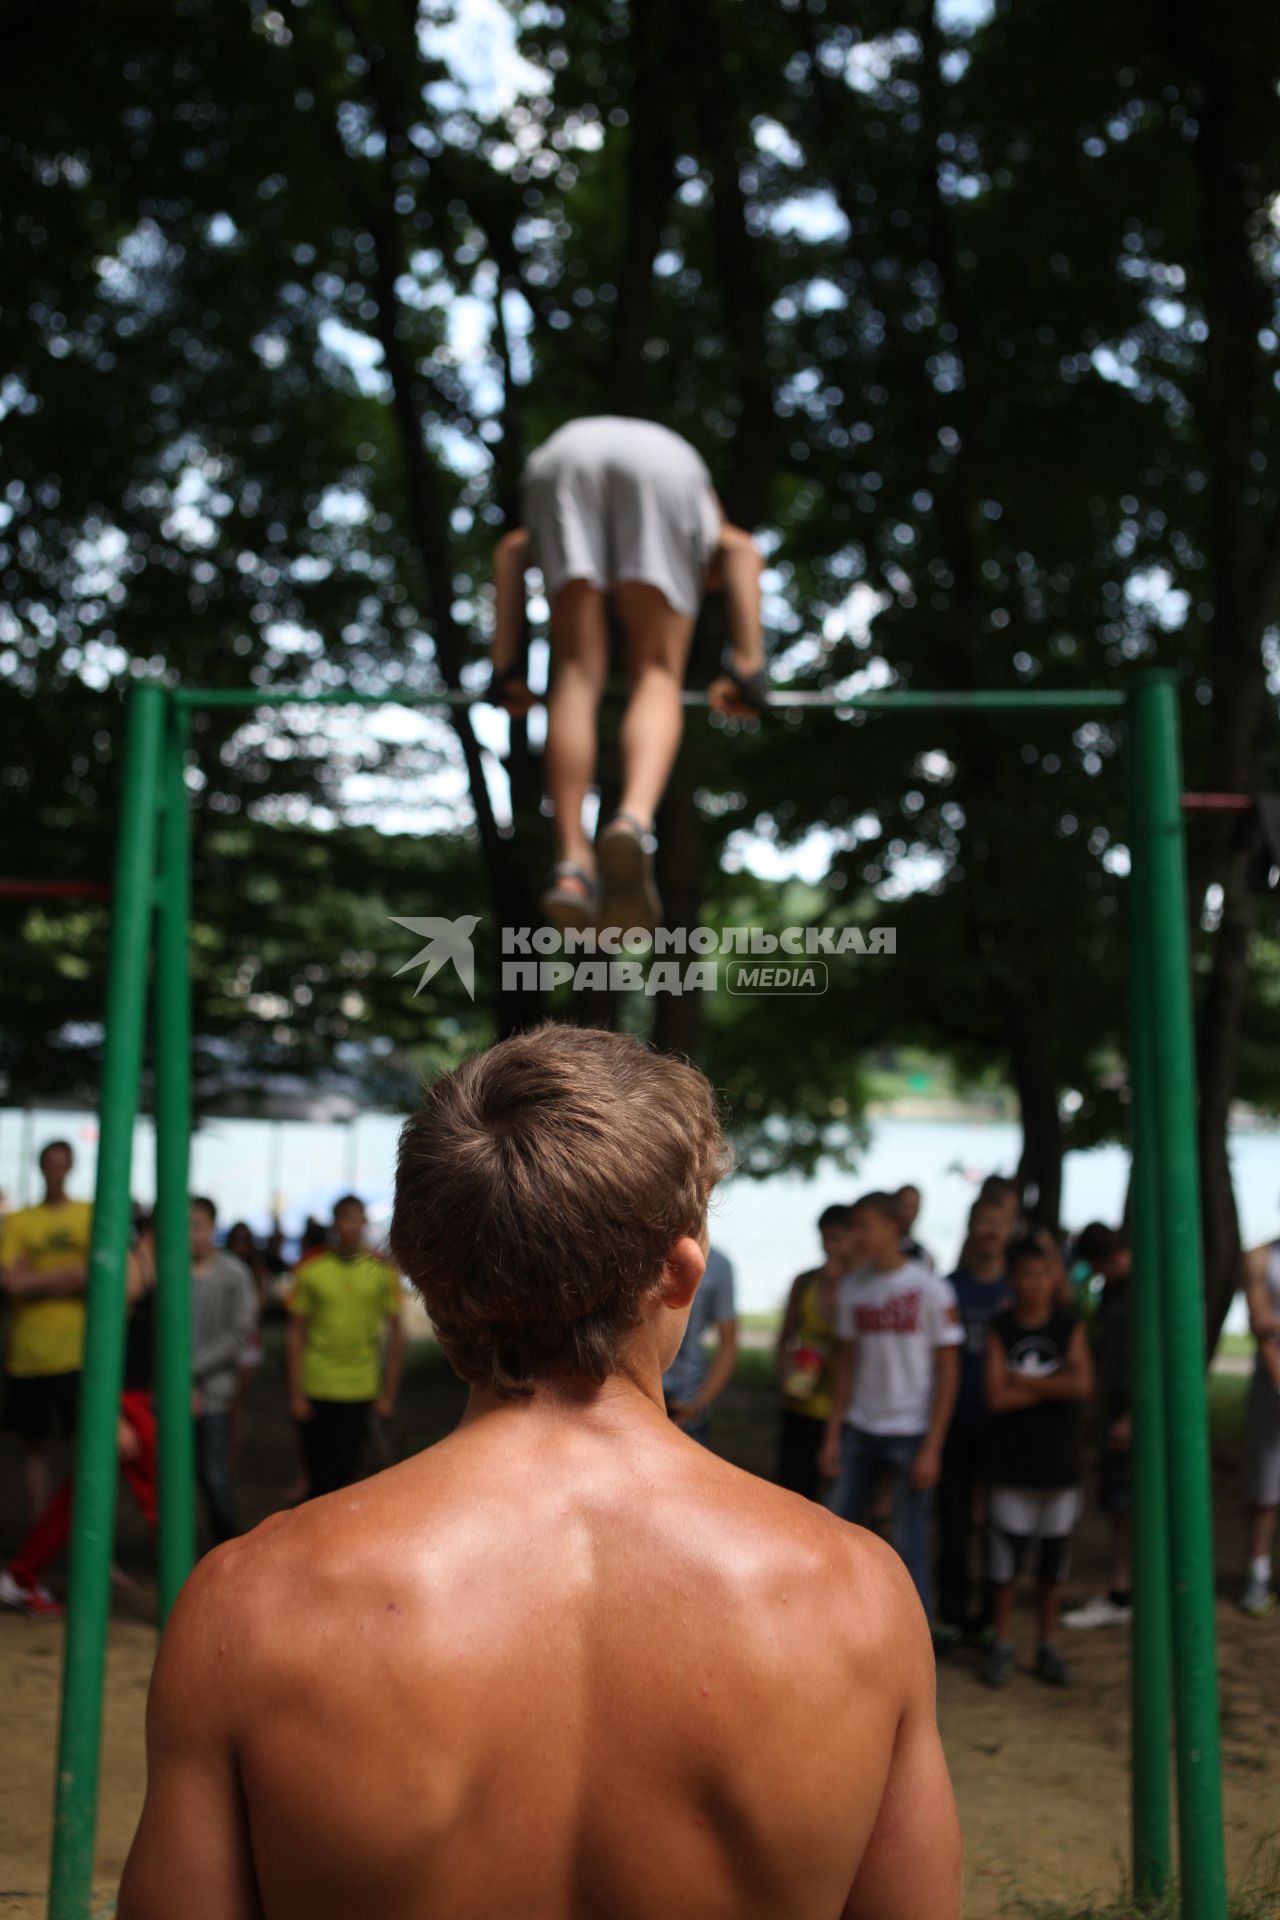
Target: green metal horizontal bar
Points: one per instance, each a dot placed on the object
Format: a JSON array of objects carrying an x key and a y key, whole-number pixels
[{"x": 1092, "y": 700}]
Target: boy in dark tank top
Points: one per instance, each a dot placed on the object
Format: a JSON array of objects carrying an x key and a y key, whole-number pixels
[{"x": 1038, "y": 1372}]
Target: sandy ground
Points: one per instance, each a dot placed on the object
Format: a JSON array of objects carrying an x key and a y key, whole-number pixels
[{"x": 1041, "y": 1775}]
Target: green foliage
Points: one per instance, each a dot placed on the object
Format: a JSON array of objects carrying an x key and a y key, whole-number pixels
[{"x": 286, "y": 303}]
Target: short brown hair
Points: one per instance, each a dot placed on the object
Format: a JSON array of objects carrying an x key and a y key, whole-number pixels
[
  {"x": 538, "y": 1191},
  {"x": 985, "y": 1203},
  {"x": 885, "y": 1204}
]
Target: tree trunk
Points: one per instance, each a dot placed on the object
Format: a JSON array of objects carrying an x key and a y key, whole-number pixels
[
  {"x": 651, "y": 158},
  {"x": 1221, "y": 1023},
  {"x": 1244, "y": 598},
  {"x": 746, "y": 487},
  {"x": 510, "y": 887},
  {"x": 1040, "y": 1168}
]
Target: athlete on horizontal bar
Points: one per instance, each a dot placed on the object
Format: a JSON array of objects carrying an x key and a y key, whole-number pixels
[{"x": 622, "y": 509}]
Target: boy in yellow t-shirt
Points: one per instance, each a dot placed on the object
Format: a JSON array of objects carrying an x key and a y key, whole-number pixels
[
  {"x": 45, "y": 1259},
  {"x": 339, "y": 1369}
]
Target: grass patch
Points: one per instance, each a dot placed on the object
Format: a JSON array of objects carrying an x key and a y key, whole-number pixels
[
  {"x": 757, "y": 1369},
  {"x": 1257, "y": 1897},
  {"x": 761, "y": 1322},
  {"x": 1241, "y": 1906}
]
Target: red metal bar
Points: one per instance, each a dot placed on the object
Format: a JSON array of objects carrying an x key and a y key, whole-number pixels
[
  {"x": 54, "y": 890},
  {"x": 1217, "y": 803}
]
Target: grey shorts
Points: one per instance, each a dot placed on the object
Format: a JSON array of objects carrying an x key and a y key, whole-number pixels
[
  {"x": 1262, "y": 1442},
  {"x": 1020, "y": 1517},
  {"x": 609, "y": 499}
]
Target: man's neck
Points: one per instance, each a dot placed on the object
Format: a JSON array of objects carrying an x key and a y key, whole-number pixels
[
  {"x": 617, "y": 1403},
  {"x": 892, "y": 1263},
  {"x": 52, "y": 1199},
  {"x": 1024, "y": 1317}
]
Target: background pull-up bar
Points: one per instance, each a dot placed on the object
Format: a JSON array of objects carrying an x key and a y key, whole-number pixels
[
  {"x": 54, "y": 890},
  {"x": 1217, "y": 803}
]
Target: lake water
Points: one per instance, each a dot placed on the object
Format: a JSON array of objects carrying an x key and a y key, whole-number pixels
[{"x": 766, "y": 1227}]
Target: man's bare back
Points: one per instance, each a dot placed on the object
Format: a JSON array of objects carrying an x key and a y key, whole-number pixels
[{"x": 566, "y": 1665}]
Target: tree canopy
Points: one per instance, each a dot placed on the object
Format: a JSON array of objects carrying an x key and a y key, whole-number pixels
[{"x": 971, "y": 310}]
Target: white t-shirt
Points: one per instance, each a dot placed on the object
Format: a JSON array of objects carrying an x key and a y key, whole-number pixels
[{"x": 897, "y": 1320}]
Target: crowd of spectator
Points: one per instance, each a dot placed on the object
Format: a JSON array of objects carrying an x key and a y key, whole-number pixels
[
  {"x": 949, "y": 1411},
  {"x": 343, "y": 1354},
  {"x": 954, "y": 1412}
]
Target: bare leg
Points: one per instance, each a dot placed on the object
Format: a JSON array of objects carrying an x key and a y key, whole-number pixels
[
  {"x": 1001, "y": 1607},
  {"x": 35, "y": 1477},
  {"x": 657, "y": 652},
  {"x": 510, "y": 559},
  {"x": 1262, "y": 1532},
  {"x": 579, "y": 662},
  {"x": 739, "y": 565}
]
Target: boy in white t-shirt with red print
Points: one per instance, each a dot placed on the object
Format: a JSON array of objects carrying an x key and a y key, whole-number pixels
[{"x": 897, "y": 1375}]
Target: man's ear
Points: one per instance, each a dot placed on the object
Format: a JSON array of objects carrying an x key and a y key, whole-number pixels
[{"x": 681, "y": 1271}]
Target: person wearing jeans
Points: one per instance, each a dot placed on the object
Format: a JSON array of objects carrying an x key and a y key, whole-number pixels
[
  {"x": 981, "y": 1291},
  {"x": 223, "y": 1314},
  {"x": 897, "y": 1374},
  {"x": 695, "y": 1379}
]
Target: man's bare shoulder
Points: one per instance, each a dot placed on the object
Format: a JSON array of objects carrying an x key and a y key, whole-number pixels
[
  {"x": 854, "y": 1588},
  {"x": 413, "y": 1548},
  {"x": 253, "y": 1613}
]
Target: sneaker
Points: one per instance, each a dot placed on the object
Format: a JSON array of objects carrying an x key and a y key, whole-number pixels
[
  {"x": 624, "y": 854},
  {"x": 36, "y": 1601},
  {"x": 997, "y": 1664},
  {"x": 1258, "y": 1600},
  {"x": 1052, "y": 1668},
  {"x": 1099, "y": 1612}
]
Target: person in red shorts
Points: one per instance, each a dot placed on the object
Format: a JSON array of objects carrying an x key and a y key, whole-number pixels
[{"x": 21, "y": 1584}]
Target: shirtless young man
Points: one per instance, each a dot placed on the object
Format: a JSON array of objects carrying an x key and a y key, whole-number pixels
[
  {"x": 566, "y": 1664},
  {"x": 620, "y": 508}
]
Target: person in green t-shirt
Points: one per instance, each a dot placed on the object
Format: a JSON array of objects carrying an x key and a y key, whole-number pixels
[{"x": 340, "y": 1367}]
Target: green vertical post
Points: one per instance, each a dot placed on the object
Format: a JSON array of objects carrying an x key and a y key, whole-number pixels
[
  {"x": 175, "y": 1432},
  {"x": 93, "y": 1522},
  {"x": 1149, "y": 1536},
  {"x": 1166, "y": 983}
]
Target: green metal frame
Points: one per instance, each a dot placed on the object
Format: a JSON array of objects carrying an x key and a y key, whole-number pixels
[{"x": 1174, "y": 1650}]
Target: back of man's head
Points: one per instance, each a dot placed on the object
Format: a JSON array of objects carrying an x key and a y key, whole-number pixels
[{"x": 538, "y": 1190}]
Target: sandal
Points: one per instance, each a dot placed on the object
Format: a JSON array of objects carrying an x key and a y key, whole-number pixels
[
  {"x": 572, "y": 896},
  {"x": 625, "y": 853}
]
